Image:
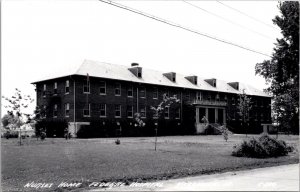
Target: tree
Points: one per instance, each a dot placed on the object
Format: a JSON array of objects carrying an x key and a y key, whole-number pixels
[
  {"x": 244, "y": 106},
  {"x": 16, "y": 106},
  {"x": 160, "y": 109},
  {"x": 281, "y": 72}
]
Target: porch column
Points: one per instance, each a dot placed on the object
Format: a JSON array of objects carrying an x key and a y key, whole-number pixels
[
  {"x": 216, "y": 115},
  {"x": 224, "y": 116},
  {"x": 197, "y": 115},
  {"x": 206, "y": 113}
]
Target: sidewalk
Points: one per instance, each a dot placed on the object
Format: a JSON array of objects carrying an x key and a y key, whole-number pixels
[{"x": 280, "y": 178}]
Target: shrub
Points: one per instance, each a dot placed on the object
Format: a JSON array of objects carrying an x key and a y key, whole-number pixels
[
  {"x": 118, "y": 142},
  {"x": 263, "y": 147}
]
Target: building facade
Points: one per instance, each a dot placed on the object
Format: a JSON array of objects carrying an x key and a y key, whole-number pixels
[{"x": 102, "y": 93}]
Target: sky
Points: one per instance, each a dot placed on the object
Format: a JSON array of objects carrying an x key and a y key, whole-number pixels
[{"x": 40, "y": 38}]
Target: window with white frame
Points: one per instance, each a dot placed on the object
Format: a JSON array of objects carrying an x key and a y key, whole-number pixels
[
  {"x": 118, "y": 111},
  {"x": 130, "y": 91},
  {"x": 87, "y": 110},
  {"x": 102, "y": 88},
  {"x": 130, "y": 111},
  {"x": 67, "y": 109},
  {"x": 142, "y": 92},
  {"x": 55, "y": 88},
  {"x": 143, "y": 111},
  {"x": 55, "y": 110},
  {"x": 177, "y": 114},
  {"x": 44, "y": 90},
  {"x": 102, "y": 110},
  {"x": 117, "y": 89},
  {"x": 155, "y": 93},
  {"x": 167, "y": 112},
  {"x": 199, "y": 96},
  {"x": 67, "y": 87},
  {"x": 86, "y": 87}
]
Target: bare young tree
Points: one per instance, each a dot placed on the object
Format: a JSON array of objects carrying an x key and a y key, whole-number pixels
[
  {"x": 244, "y": 106},
  {"x": 160, "y": 109}
]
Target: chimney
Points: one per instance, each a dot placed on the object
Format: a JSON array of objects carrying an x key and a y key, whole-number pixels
[
  {"x": 234, "y": 85},
  {"x": 171, "y": 76},
  {"x": 136, "y": 70},
  {"x": 212, "y": 82},
  {"x": 193, "y": 79}
]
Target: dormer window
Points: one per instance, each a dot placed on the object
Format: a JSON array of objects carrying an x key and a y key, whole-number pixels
[
  {"x": 212, "y": 82},
  {"x": 171, "y": 76},
  {"x": 192, "y": 79},
  {"x": 234, "y": 85},
  {"x": 136, "y": 70}
]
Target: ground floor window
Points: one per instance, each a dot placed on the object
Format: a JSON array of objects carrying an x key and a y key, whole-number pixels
[
  {"x": 86, "y": 110},
  {"x": 117, "y": 110},
  {"x": 130, "y": 111},
  {"x": 102, "y": 110}
]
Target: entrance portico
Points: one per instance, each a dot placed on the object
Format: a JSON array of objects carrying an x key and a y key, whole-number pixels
[{"x": 213, "y": 111}]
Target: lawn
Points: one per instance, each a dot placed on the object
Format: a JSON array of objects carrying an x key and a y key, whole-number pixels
[{"x": 96, "y": 160}]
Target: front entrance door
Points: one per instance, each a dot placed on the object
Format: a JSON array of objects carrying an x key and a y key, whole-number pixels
[
  {"x": 211, "y": 115},
  {"x": 220, "y": 116}
]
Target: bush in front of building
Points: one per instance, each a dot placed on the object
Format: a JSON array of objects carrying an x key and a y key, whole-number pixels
[
  {"x": 263, "y": 147},
  {"x": 52, "y": 128},
  {"x": 11, "y": 134}
]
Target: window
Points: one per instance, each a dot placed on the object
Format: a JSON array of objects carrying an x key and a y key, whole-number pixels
[
  {"x": 139, "y": 72},
  {"x": 208, "y": 96},
  {"x": 225, "y": 98},
  {"x": 130, "y": 92},
  {"x": 177, "y": 115},
  {"x": 86, "y": 111},
  {"x": 167, "y": 112},
  {"x": 44, "y": 112},
  {"x": 142, "y": 92},
  {"x": 118, "y": 89},
  {"x": 143, "y": 111},
  {"x": 102, "y": 88},
  {"x": 155, "y": 93},
  {"x": 55, "y": 111},
  {"x": 118, "y": 111},
  {"x": 261, "y": 116},
  {"x": 130, "y": 111},
  {"x": 55, "y": 88},
  {"x": 44, "y": 90},
  {"x": 67, "y": 88},
  {"x": 67, "y": 109},
  {"x": 167, "y": 93},
  {"x": 217, "y": 97},
  {"x": 233, "y": 100},
  {"x": 86, "y": 87},
  {"x": 199, "y": 96},
  {"x": 102, "y": 110},
  {"x": 187, "y": 96}
]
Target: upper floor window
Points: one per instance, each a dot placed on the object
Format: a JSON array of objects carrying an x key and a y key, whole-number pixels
[
  {"x": 177, "y": 115},
  {"x": 167, "y": 112},
  {"x": 86, "y": 87},
  {"x": 102, "y": 88},
  {"x": 209, "y": 96},
  {"x": 67, "y": 87},
  {"x": 155, "y": 93},
  {"x": 102, "y": 110},
  {"x": 187, "y": 96},
  {"x": 225, "y": 98},
  {"x": 130, "y": 111},
  {"x": 233, "y": 100},
  {"x": 143, "y": 111},
  {"x": 55, "y": 88},
  {"x": 87, "y": 110},
  {"x": 44, "y": 111},
  {"x": 199, "y": 96},
  {"x": 55, "y": 110},
  {"x": 130, "y": 92},
  {"x": 44, "y": 90},
  {"x": 142, "y": 92},
  {"x": 118, "y": 89},
  {"x": 67, "y": 109},
  {"x": 118, "y": 111},
  {"x": 217, "y": 97}
]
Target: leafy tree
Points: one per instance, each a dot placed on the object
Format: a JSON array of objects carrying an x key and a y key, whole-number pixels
[
  {"x": 244, "y": 106},
  {"x": 16, "y": 106},
  {"x": 6, "y": 119},
  {"x": 160, "y": 109},
  {"x": 281, "y": 72}
]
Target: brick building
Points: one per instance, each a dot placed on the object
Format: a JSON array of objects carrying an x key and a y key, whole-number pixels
[{"x": 111, "y": 94}]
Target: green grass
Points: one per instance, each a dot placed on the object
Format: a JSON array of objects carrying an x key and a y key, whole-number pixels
[{"x": 95, "y": 160}]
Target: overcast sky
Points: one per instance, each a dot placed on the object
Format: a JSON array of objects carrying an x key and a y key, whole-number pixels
[{"x": 44, "y": 37}]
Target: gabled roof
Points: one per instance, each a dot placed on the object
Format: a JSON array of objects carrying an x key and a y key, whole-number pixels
[{"x": 121, "y": 72}]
